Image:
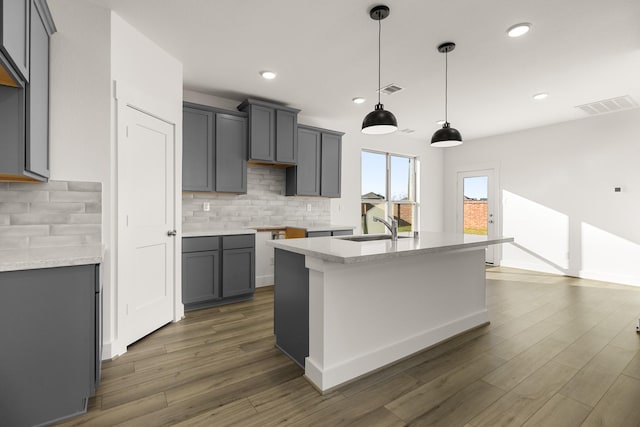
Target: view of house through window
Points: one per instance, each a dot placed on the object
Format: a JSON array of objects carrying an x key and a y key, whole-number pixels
[{"x": 388, "y": 189}]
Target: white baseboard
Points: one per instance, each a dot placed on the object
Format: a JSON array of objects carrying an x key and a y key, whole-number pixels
[
  {"x": 266, "y": 280},
  {"x": 329, "y": 377}
]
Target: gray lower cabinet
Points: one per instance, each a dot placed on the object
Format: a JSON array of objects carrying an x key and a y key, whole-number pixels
[
  {"x": 24, "y": 106},
  {"x": 50, "y": 330},
  {"x": 318, "y": 172},
  {"x": 327, "y": 233},
  {"x": 272, "y": 132},
  {"x": 291, "y": 305},
  {"x": 214, "y": 150},
  {"x": 217, "y": 270}
]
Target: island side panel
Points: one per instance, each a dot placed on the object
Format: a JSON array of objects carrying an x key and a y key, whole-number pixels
[
  {"x": 365, "y": 316},
  {"x": 291, "y": 305}
]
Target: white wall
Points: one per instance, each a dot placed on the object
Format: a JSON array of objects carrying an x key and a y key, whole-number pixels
[
  {"x": 92, "y": 48},
  {"x": 80, "y": 108},
  {"x": 557, "y": 195}
]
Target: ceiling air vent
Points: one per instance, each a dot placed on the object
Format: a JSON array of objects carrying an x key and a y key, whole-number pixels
[
  {"x": 407, "y": 130},
  {"x": 391, "y": 89},
  {"x": 609, "y": 105}
]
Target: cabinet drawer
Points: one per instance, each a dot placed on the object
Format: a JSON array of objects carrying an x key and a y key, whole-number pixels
[
  {"x": 197, "y": 244},
  {"x": 342, "y": 232},
  {"x": 240, "y": 241}
]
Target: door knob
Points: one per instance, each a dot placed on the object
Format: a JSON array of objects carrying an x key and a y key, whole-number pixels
[{"x": 171, "y": 233}]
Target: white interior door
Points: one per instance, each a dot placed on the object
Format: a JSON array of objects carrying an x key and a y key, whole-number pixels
[
  {"x": 145, "y": 246},
  {"x": 476, "y": 207}
]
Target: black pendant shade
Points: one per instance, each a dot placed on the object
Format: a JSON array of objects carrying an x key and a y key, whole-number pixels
[
  {"x": 379, "y": 121},
  {"x": 447, "y": 136}
]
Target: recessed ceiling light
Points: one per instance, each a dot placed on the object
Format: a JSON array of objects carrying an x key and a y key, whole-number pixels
[
  {"x": 440, "y": 122},
  {"x": 518, "y": 29},
  {"x": 268, "y": 75},
  {"x": 358, "y": 100},
  {"x": 540, "y": 96}
]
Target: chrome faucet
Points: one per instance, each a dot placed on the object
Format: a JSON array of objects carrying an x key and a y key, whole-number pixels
[{"x": 393, "y": 227}]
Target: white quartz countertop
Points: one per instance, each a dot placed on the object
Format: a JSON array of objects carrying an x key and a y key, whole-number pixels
[
  {"x": 64, "y": 256},
  {"x": 339, "y": 250},
  {"x": 203, "y": 233}
]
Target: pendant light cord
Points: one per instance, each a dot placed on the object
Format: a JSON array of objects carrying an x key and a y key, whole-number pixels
[
  {"x": 446, "y": 86},
  {"x": 379, "y": 54}
]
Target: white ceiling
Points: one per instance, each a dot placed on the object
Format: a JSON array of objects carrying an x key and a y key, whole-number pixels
[{"x": 325, "y": 53}]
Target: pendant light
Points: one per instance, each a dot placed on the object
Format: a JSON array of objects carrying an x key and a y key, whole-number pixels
[
  {"x": 447, "y": 136},
  {"x": 379, "y": 121}
]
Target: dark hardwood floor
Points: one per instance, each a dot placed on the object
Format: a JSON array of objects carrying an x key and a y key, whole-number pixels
[{"x": 559, "y": 352}]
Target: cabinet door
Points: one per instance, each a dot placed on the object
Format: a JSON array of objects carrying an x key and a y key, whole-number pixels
[
  {"x": 14, "y": 33},
  {"x": 197, "y": 150},
  {"x": 238, "y": 272},
  {"x": 342, "y": 232},
  {"x": 37, "y": 149},
  {"x": 200, "y": 276},
  {"x": 308, "y": 169},
  {"x": 331, "y": 165},
  {"x": 262, "y": 133},
  {"x": 231, "y": 154},
  {"x": 286, "y": 137}
]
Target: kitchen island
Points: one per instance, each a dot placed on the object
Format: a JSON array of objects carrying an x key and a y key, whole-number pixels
[{"x": 344, "y": 308}]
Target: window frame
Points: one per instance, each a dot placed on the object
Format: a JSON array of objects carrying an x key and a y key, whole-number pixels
[{"x": 388, "y": 201}]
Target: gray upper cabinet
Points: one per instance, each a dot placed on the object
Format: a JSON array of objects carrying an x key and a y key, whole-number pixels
[
  {"x": 231, "y": 153},
  {"x": 14, "y": 38},
  {"x": 286, "y": 136},
  {"x": 331, "y": 165},
  {"x": 318, "y": 172},
  {"x": 24, "y": 108},
  {"x": 304, "y": 179},
  {"x": 272, "y": 132},
  {"x": 197, "y": 150},
  {"x": 214, "y": 150},
  {"x": 37, "y": 156}
]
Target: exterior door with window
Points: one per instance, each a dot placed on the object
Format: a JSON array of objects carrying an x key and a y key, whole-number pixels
[{"x": 476, "y": 212}]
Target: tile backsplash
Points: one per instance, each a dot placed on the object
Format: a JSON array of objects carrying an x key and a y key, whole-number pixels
[
  {"x": 264, "y": 205},
  {"x": 55, "y": 213}
]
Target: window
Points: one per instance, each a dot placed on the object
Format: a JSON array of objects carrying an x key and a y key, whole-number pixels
[{"x": 388, "y": 189}]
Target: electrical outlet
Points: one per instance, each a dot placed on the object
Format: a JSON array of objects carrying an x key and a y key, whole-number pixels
[
  {"x": 308, "y": 207},
  {"x": 206, "y": 206}
]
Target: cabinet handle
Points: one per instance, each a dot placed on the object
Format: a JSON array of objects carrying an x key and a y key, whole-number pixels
[{"x": 171, "y": 233}]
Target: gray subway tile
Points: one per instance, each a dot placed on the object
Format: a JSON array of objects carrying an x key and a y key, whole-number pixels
[
  {"x": 74, "y": 229},
  {"x": 24, "y": 230},
  {"x": 39, "y": 218},
  {"x": 14, "y": 242},
  {"x": 85, "y": 218},
  {"x": 93, "y": 207},
  {"x": 75, "y": 196},
  {"x": 8, "y": 207},
  {"x": 85, "y": 186},
  {"x": 48, "y": 241},
  {"x": 39, "y": 186},
  {"x": 60, "y": 207},
  {"x": 11, "y": 196}
]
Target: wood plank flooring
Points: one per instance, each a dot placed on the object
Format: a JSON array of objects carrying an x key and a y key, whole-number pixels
[{"x": 559, "y": 352}]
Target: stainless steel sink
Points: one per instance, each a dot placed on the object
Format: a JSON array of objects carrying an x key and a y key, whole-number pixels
[{"x": 370, "y": 237}]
